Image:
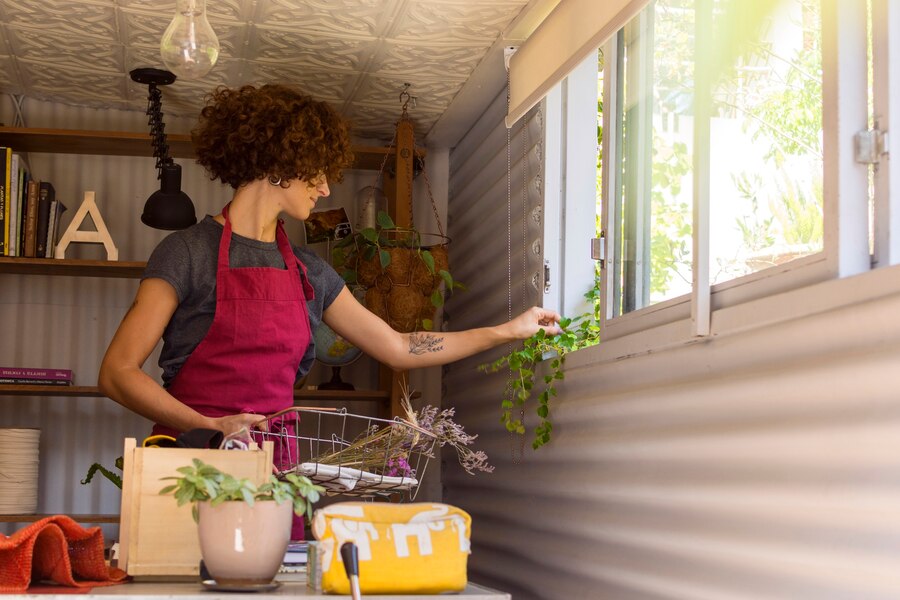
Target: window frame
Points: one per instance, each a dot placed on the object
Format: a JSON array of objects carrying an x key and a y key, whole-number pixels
[{"x": 845, "y": 212}]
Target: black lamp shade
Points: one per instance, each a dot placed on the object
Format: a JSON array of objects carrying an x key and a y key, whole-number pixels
[{"x": 169, "y": 207}]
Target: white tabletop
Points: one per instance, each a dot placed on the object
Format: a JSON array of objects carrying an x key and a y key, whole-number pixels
[{"x": 293, "y": 587}]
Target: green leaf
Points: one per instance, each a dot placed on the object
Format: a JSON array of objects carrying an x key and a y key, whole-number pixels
[
  {"x": 369, "y": 234},
  {"x": 437, "y": 299},
  {"x": 427, "y": 324},
  {"x": 349, "y": 276},
  {"x": 115, "y": 479},
  {"x": 543, "y": 411},
  {"x": 384, "y": 220},
  {"x": 345, "y": 241},
  {"x": 384, "y": 257},
  {"x": 447, "y": 278},
  {"x": 428, "y": 259}
]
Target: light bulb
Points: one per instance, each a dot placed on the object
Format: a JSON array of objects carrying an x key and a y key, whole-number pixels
[{"x": 189, "y": 47}]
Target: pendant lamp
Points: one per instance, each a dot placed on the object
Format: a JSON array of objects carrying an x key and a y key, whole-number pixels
[
  {"x": 189, "y": 46},
  {"x": 167, "y": 208}
]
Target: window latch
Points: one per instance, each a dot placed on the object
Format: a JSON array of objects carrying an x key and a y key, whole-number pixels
[
  {"x": 598, "y": 249},
  {"x": 870, "y": 145},
  {"x": 546, "y": 276}
]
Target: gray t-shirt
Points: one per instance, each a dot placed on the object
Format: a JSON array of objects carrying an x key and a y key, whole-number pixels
[{"x": 187, "y": 260}]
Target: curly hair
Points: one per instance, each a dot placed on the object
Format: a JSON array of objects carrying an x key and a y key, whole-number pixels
[{"x": 248, "y": 133}]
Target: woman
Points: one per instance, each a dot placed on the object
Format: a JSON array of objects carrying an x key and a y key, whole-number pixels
[{"x": 236, "y": 324}]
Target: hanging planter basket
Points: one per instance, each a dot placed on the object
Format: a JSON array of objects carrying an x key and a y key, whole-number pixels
[
  {"x": 400, "y": 268},
  {"x": 401, "y": 271}
]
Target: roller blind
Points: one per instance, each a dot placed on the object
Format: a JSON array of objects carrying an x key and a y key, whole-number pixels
[{"x": 566, "y": 37}]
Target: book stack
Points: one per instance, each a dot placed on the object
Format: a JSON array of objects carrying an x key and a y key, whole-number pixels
[
  {"x": 295, "y": 558},
  {"x": 31, "y": 376},
  {"x": 29, "y": 210}
]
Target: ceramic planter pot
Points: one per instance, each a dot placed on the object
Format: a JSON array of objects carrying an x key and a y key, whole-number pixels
[{"x": 244, "y": 545}]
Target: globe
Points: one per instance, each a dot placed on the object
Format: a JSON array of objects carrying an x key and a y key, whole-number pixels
[
  {"x": 336, "y": 352},
  {"x": 332, "y": 349}
]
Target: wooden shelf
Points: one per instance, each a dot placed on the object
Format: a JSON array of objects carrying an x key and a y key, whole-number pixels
[
  {"x": 71, "y": 267},
  {"x": 79, "y": 391},
  {"x": 127, "y": 143},
  {"x": 73, "y": 391},
  {"x": 340, "y": 396},
  {"x": 75, "y": 141},
  {"x": 78, "y": 518},
  {"x": 372, "y": 157}
]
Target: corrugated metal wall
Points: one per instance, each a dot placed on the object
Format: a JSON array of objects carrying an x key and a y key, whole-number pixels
[
  {"x": 67, "y": 322},
  {"x": 761, "y": 463}
]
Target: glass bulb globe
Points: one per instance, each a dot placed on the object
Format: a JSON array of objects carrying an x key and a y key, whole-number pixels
[
  {"x": 189, "y": 47},
  {"x": 369, "y": 201}
]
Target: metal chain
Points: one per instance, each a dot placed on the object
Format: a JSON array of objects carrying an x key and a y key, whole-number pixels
[
  {"x": 524, "y": 251},
  {"x": 378, "y": 175},
  {"x": 515, "y": 456},
  {"x": 437, "y": 217},
  {"x": 404, "y": 116}
]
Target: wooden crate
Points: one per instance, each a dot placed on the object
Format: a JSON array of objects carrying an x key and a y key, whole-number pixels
[{"x": 157, "y": 538}]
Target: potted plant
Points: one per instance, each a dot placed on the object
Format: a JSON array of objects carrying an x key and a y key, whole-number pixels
[
  {"x": 244, "y": 528},
  {"x": 401, "y": 270}
]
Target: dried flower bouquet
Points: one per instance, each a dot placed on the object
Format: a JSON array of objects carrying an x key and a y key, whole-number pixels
[{"x": 386, "y": 450}]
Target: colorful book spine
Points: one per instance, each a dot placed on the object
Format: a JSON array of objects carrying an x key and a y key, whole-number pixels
[
  {"x": 31, "y": 219},
  {"x": 12, "y": 247},
  {"x": 23, "y": 212},
  {"x": 35, "y": 373},
  {"x": 46, "y": 195},
  {"x": 28, "y": 381},
  {"x": 4, "y": 198}
]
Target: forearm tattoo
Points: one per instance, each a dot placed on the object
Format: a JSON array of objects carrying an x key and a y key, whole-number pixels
[{"x": 420, "y": 343}]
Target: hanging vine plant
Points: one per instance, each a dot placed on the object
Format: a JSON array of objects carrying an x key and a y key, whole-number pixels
[{"x": 522, "y": 365}]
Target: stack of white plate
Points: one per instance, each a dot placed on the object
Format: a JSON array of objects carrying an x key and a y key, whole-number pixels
[{"x": 19, "y": 470}]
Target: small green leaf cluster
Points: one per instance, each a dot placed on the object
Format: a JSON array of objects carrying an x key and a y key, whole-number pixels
[
  {"x": 578, "y": 332},
  {"x": 202, "y": 482}
]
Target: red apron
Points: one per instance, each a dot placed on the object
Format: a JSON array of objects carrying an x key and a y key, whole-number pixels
[{"x": 249, "y": 358}]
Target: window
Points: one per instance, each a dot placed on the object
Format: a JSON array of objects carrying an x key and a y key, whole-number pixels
[
  {"x": 728, "y": 154},
  {"x": 751, "y": 136},
  {"x": 728, "y": 171}
]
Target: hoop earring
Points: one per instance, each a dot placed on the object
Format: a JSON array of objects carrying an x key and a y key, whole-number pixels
[{"x": 274, "y": 180}]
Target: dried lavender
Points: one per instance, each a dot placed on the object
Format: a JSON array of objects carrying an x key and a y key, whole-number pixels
[
  {"x": 447, "y": 431},
  {"x": 386, "y": 450}
]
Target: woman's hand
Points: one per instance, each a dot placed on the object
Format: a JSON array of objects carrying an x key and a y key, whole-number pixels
[
  {"x": 233, "y": 423},
  {"x": 531, "y": 321}
]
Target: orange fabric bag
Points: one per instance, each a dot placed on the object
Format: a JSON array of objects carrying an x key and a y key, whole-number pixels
[{"x": 55, "y": 549}]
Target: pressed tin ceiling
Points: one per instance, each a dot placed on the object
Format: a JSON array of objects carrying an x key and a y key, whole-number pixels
[{"x": 355, "y": 54}]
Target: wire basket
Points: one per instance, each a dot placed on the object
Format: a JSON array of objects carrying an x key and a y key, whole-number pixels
[{"x": 348, "y": 454}]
